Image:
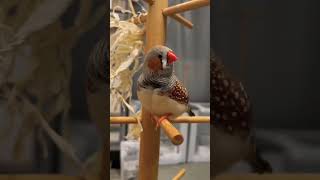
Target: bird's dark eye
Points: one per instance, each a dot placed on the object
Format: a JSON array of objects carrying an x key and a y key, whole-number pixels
[{"x": 160, "y": 56}]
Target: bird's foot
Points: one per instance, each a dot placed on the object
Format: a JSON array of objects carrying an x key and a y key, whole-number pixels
[{"x": 160, "y": 119}]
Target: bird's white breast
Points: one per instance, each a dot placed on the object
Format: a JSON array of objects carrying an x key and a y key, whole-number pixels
[{"x": 160, "y": 104}]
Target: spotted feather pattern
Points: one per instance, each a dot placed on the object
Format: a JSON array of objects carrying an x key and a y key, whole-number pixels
[
  {"x": 179, "y": 93},
  {"x": 170, "y": 87},
  {"x": 231, "y": 105}
]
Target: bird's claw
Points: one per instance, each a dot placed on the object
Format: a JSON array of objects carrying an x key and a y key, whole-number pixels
[{"x": 160, "y": 119}]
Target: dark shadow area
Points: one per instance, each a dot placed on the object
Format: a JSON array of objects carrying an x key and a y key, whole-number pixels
[{"x": 273, "y": 48}]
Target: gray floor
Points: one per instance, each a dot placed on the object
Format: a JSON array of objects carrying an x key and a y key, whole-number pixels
[{"x": 193, "y": 171}]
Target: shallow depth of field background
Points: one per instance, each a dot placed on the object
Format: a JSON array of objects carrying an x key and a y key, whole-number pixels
[{"x": 273, "y": 47}]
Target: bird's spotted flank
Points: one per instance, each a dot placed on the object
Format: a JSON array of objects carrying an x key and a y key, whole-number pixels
[
  {"x": 230, "y": 101},
  {"x": 179, "y": 93}
]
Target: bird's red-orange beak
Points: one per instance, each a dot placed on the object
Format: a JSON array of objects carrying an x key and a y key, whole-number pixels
[{"x": 171, "y": 57}]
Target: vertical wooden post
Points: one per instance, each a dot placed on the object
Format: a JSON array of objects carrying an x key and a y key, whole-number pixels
[
  {"x": 156, "y": 24},
  {"x": 150, "y": 137}
]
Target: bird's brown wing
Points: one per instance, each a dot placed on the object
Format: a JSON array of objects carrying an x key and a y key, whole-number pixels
[
  {"x": 231, "y": 105},
  {"x": 179, "y": 93}
]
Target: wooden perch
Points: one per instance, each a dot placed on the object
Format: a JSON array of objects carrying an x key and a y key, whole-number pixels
[
  {"x": 142, "y": 18},
  {"x": 192, "y": 119},
  {"x": 181, "y": 173},
  {"x": 174, "y": 135},
  {"x": 190, "y": 5},
  {"x": 182, "y": 20},
  {"x": 123, "y": 120},
  {"x": 156, "y": 26},
  {"x": 181, "y": 119},
  {"x": 149, "y": 148}
]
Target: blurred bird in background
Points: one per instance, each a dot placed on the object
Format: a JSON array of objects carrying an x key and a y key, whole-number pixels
[
  {"x": 97, "y": 97},
  {"x": 233, "y": 138}
]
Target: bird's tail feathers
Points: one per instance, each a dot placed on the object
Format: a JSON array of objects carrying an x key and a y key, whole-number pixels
[
  {"x": 260, "y": 165},
  {"x": 190, "y": 112}
]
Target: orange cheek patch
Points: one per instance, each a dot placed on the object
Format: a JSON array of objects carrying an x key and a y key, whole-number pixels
[{"x": 154, "y": 64}]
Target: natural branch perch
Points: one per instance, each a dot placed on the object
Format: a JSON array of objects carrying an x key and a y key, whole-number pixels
[
  {"x": 182, "y": 20},
  {"x": 181, "y": 119},
  {"x": 190, "y": 5},
  {"x": 174, "y": 135},
  {"x": 179, "y": 175}
]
